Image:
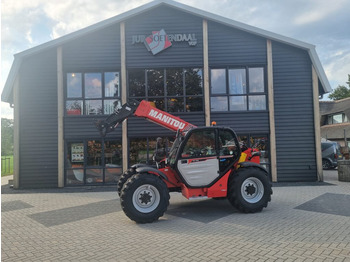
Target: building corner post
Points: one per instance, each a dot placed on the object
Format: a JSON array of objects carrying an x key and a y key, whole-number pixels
[
  {"x": 271, "y": 105},
  {"x": 206, "y": 73},
  {"x": 60, "y": 105},
  {"x": 317, "y": 125},
  {"x": 123, "y": 94},
  {"x": 16, "y": 136}
]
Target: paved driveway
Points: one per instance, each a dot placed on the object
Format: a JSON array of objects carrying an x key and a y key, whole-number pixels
[{"x": 304, "y": 222}]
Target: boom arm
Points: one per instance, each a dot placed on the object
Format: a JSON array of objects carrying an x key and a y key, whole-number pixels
[{"x": 146, "y": 110}]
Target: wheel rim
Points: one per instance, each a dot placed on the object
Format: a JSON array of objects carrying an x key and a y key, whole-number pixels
[
  {"x": 325, "y": 164},
  {"x": 146, "y": 198},
  {"x": 252, "y": 190}
]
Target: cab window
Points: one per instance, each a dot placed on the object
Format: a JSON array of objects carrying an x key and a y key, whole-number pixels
[
  {"x": 201, "y": 143},
  {"x": 228, "y": 148}
]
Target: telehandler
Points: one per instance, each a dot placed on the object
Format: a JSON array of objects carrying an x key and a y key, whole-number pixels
[{"x": 203, "y": 162}]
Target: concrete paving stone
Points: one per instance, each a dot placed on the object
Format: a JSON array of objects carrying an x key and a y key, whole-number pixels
[{"x": 205, "y": 231}]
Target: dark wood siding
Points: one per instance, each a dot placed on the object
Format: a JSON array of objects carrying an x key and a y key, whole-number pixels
[
  {"x": 99, "y": 50},
  {"x": 232, "y": 47},
  {"x": 295, "y": 137},
  {"x": 180, "y": 54},
  {"x": 38, "y": 121},
  {"x": 83, "y": 127},
  {"x": 244, "y": 123}
]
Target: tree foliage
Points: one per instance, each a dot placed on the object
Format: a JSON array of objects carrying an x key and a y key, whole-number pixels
[
  {"x": 341, "y": 91},
  {"x": 6, "y": 137}
]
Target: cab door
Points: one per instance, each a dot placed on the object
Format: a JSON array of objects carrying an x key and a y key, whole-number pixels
[{"x": 198, "y": 163}]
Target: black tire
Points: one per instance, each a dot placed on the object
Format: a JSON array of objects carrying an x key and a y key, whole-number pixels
[
  {"x": 326, "y": 164},
  {"x": 144, "y": 198},
  {"x": 249, "y": 189},
  {"x": 123, "y": 178}
]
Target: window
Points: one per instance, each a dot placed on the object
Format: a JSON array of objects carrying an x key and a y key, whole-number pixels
[
  {"x": 201, "y": 143},
  {"x": 172, "y": 90},
  {"x": 260, "y": 142},
  {"x": 237, "y": 89},
  {"x": 93, "y": 162},
  {"x": 337, "y": 119},
  {"x": 92, "y": 93}
]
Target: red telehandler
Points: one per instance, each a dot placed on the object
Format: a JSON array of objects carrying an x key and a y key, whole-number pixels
[{"x": 203, "y": 162}]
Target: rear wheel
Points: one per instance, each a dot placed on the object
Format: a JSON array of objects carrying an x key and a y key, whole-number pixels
[
  {"x": 249, "y": 189},
  {"x": 144, "y": 198}
]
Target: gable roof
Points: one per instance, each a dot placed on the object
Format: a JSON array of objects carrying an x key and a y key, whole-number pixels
[{"x": 6, "y": 94}]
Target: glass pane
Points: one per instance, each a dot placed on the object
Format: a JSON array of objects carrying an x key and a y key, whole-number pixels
[
  {"x": 256, "y": 80},
  {"x": 93, "y": 107},
  {"x": 93, "y": 86},
  {"x": 194, "y": 104},
  {"x": 74, "y": 107},
  {"x": 137, "y": 86},
  {"x": 162, "y": 145},
  {"x": 159, "y": 102},
  {"x": 94, "y": 151},
  {"x": 94, "y": 176},
  {"x": 112, "y": 84},
  {"x": 112, "y": 175},
  {"x": 329, "y": 120},
  {"x": 237, "y": 81},
  {"x": 218, "y": 81},
  {"x": 175, "y": 104},
  {"x": 194, "y": 81},
  {"x": 219, "y": 103},
  {"x": 174, "y": 81},
  {"x": 229, "y": 149},
  {"x": 113, "y": 154},
  {"x": 243, "y": 142},
  {"x": 201, "y": 143},
  {"x": 155, "y": 82},
  {"x": 138, "y": 150},
  {"x": 74, "y": 85},
  {"x": 75, "y": 176},
  {"x": 337, "y": 119},
  {"x": 238, "y": 103},
  {"x": 261, "y": 143},
  {"x": 110, "y": 106},
  {"x": 257, "y": 102}
]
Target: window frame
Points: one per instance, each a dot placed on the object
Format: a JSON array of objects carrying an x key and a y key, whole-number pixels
[
  {"x": 246, "y": 95},
  {"x": 85, "y": 166},
  {"x": 165, "y": 97},
  {"x": 83, "y": 100}
]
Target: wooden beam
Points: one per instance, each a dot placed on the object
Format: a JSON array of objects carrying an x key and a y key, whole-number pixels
[
  {"x": 273, "y": 158},
  {"x": 206, "y": 73},
  {"x": 317, "y": 125},
  {"x": 16, "y": 137},
  {"x": 123, "y": 95},
  {"x": 60, "y": 108}
]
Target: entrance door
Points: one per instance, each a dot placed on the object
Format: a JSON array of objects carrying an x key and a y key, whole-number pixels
[{"x": 199, "y": 164}]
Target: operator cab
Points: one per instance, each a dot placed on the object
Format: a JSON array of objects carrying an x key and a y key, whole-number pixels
[{"x": 204, "y": 155}]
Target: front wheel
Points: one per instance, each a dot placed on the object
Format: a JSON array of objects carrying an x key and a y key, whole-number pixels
[
  {"x": 144, "y": 198},
  {"x": 123, "y": 178},
  {"x": 249, "y": 189}
]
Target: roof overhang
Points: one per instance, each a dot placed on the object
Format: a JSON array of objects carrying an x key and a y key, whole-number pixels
[{"x": 6, "y": 94}]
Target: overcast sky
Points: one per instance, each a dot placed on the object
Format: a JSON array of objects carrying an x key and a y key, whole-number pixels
[{"x": 323, "y": 23}]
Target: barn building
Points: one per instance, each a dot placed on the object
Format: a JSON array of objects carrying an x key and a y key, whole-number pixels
[{"x": 194, "y": 64}]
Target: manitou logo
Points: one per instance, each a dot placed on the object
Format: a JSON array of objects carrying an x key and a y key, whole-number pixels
[
  {"x": 166, "y": 119},
  {"x": 160, "y": 41}
]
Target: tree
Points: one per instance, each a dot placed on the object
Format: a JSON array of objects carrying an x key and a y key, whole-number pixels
[
  {"x": 6, "y": 137},
  {"x": 341, "y": 91}
]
